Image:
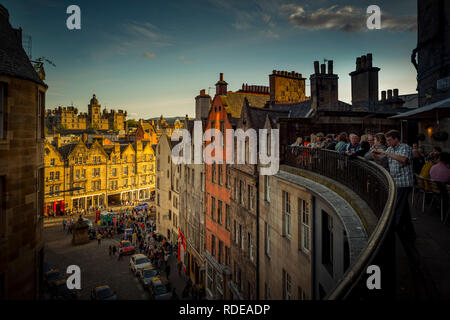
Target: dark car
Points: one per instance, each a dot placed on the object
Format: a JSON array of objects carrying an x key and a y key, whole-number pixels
[
  {"x": 103, "y": 293},
  {"x": 61, "y": 292},
  {"x": 146, "y": 275},
  {"x": 50, "y": 277},
  {"x": 158, "y": 290}
]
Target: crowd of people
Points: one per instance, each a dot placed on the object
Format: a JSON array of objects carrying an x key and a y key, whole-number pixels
[{"x": 400, "y": 159}]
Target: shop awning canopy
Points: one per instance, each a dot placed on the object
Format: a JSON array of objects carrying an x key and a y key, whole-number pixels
[{"x": 437, "y": 110}]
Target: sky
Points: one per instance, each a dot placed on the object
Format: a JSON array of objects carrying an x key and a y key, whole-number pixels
[{"x": 153, "y": 57}]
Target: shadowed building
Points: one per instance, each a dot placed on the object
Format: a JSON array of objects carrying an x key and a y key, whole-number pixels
[{"x": 22, "y": 111}]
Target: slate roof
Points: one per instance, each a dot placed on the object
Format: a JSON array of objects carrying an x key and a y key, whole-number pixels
[
  {"x": 234, "y": 101},
  {"x": 14, "y": 61},
  {"x": 296, "y": 110},
  {"x": 66, "y": 149},
  {"x": 257, "y": 116}
]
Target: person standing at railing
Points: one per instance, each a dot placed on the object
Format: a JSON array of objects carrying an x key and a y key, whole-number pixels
[
  {"x": 353, "y": 146},
  {"x": 399, "y": 157}
]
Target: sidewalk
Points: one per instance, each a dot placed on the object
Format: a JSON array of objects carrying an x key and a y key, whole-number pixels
[
  {"x": 177, "y": 281},
  {"x": 424, "y": 266}
]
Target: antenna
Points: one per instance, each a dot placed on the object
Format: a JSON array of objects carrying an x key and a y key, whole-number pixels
[{"x": 27, "y": 45}]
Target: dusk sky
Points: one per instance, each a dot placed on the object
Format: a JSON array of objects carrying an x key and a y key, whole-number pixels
[{"x": 153, "y": 57}]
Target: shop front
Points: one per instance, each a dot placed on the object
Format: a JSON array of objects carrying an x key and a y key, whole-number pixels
[{"x": 55, "y": 208}]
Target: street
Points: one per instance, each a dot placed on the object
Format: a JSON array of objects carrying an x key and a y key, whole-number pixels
[{"x": 98, "y": 267}]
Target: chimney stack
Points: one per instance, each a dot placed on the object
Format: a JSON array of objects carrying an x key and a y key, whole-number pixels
[
  {"x": 395, "y": 93},
  {"x": 390, "y": 94},
  {"x": 330, "y": 66},
  {"x": 221, "y": 76},
  {"x": 221, "y": 86},
  {"x": 322, "y": 68},
  {"x": 57, "y": 140},
  {"x": 383, "y": 95}
]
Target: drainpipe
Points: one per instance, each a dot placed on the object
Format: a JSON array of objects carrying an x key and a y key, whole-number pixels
[{"x": 257, "y": 234}]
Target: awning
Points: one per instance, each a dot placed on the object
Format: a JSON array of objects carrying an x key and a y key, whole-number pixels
[{"x": 437, "y": 110}]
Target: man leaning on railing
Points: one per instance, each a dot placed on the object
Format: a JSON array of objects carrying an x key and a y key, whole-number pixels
[{"x": 400, "y": 167}]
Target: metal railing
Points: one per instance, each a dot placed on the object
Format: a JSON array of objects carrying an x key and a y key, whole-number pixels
[{"x": 373, "y": 184}]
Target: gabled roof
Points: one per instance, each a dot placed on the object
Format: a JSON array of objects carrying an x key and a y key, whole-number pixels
[
  {"x": 14, "y": 61},
  {"x": 257, "y": 116},
  {"x": 234, "y": 101}
]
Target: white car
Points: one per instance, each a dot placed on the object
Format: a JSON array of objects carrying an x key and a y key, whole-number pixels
[{"x": 139, "y": 261}]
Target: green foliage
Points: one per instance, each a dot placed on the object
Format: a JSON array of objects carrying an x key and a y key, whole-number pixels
[{"x": 132, "y": 123}]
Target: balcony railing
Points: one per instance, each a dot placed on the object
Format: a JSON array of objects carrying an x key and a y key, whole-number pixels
[{"x": 373, "y": 184}]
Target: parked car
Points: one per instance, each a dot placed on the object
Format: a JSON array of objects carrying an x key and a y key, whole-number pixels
[
  {"x": 141, "y": 206},
  {"x": 50, "y": 277},
  {"x": 139, "y": 261},
  {"x": 61, "y": 292},
  {"x": 103, "y": 293},
  {"x": 158, "y": 290},
  {"x": 146, "y": 275},
  {"x": 126, "y": 246}
]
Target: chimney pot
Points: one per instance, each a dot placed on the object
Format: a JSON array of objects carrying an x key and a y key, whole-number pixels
[
  {"x": 330, "y": 66},
  {"x": 389, "y": 94},
  {"x": 396, "y": 93},
  {"x": 322, "y": 68},
  {"x": 221, "y": 76},
  {"x": 369, "y": 60},
  {"x": 383, "y": 95},
  {"x": 316, "y": 67},
  {"x": 363, "y": 62},
  {"x": 358, "y": 63}
]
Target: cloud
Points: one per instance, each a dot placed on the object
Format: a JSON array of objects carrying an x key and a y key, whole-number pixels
[
  {"x": 181, "y": 58},
  {"x": 270, "y": 34},
  {"x": 146, "y": 30},
  {"x": 347, "y": 19},
  {"x": 149, "y": 55}
]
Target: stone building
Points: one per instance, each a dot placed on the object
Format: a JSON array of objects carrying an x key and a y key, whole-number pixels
[
  {"x": 192, "y": 214},
  {"x": 431, "y": 57},
  {"x": 168, "y": 186},
  {"x": 69, "y": 119},
  {"x": 107, "y": 173},
  {"x": 22, "y": 134}
]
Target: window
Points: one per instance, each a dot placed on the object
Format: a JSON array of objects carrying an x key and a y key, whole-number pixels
[
  {"x": 213, "y": 172},
  {"x": 52, "y": 176},
  {"x": 227, "y": 255},
  {"x": 202, "y": 181},
  {"x": 304, "y": 225},
  {"x": 267, "y": 242},
  {"x": 227, "y": 177},
  {"x": 219, "y": 211},
  {"x": 213, "y": 245},
  {"x": 57, "y": 175},
  {"x": 57, "y": 190},
  {"x": 193, "y": 177},
  {"x": 83, "y": 173},
  {"x": 241, "y": 231},
  {"x": 114, "y": 172},
  {"x": 250, "y": 246},
  {"x": 286, "y": 213},
  {"x": 170, "y": 214},
  {"x": 241, "y": 192},
  {"x": 250, "y": 198},
  {"x": 125, "y": 170},
  {"x": 286, "y": 285},
  {"x": 227, "y": 217},
  {"x": 220, "y": 166},
  {"x": 213, "y": 208},
  {"x": 236, "y": 233},
  {"x": 3, "y": 109},
  {"x": 327, "y": 241},
  {"x": 235, "y": 189},
  {"x": 125, "y": 183},
  {"x": 266, "y": 188},
  {"x": 220, "y": 259}
]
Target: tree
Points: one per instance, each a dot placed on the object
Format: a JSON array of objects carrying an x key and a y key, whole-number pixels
[{"x": 132, "y": 123}]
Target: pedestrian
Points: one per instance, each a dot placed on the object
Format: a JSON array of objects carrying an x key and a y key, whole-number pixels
[
  {"x": 167, "y": 270},
  {"x": 99, "y": 238},
  {"x": 64, "y": 224},
  {"x": 120, "y": 254},
  {"x": 110, "y": 250},
  {"x": 399, "y": 157},
  {"x": 114, "y": 249}
]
